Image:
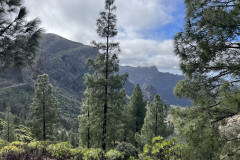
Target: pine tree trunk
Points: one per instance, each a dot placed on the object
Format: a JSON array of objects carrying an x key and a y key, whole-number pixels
[
  {"x": 8, "y": 134},
  {"x": 88, "y": 134},
  {"x": 156, "y": 119},
  {"x": 105, "y": 121},
  {"x": 106, "y": 91},
  {"x": 105, "y": 104},
  {"x": 136, "y": 131},
  {"x": 44, "y": 117},
  {"x": 44, "y": 123}
]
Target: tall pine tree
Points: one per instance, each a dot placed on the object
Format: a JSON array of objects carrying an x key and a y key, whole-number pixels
[
  {"x": 104, "y": 95},
  {"x": 85, "y": 135},
  {"x": 8, "y": 126},
  {"x": 137, "y": 113},
  {"x": 208, "y": 47},
  {"x": 154, "y": 122},
  {"x": 44, "y": 110}
]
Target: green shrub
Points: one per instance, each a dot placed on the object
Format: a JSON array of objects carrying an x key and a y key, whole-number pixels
[
  {"x": 93, "y": 154},
  {"x": 161, "y": 149},
  {"x": 36, "y": 145},
  {"x": 36, "y": 149},
  {"x": 60, "y": 151},
  {"x": 76, "y": 154},
  {"x": 3, "y": 143},
  {"x": 127, "y": 149},
  {"x": 18, "y": 144},
  {"x": 114, "y": 155},
  {"x": 11, "y": 153},
  {"x": 23, "y": 134}
]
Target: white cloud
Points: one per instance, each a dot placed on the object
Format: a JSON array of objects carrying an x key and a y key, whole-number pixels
[
  {"x": 138, "y": 15},
  {"x": 76, "y": 20},
  {"x": 73, "y": 19},
  {"x": 149, "y": 52}
]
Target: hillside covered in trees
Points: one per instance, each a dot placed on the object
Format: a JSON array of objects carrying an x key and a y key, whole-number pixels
[{"x": 64, "y": 62}]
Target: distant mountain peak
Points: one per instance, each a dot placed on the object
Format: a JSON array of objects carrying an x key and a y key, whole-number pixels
[
  {"x": 55, "y": 37},
  {"x": 150, "y": 68},
  {"x": 150, "y": 79},
  {"x": 146, "y": 70}
]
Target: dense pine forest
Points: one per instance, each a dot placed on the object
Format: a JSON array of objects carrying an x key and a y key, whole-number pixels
[{"x": 73, "y": 101}]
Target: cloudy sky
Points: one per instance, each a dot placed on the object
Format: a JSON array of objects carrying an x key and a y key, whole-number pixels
[{"x": 146, "y": 27}]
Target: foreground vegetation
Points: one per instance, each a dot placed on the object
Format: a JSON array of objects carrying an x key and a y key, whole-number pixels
[{"x": 64, "y": 150}]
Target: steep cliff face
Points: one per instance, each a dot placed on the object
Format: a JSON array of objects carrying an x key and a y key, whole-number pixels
[
  {"x": 164, "y": 83},
  {"x": 149, "y": 92}
]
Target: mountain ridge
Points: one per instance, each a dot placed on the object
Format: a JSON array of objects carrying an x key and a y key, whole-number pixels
[
  {"x": 164, "y": 83},
  {"x": 65, "y": 63}
]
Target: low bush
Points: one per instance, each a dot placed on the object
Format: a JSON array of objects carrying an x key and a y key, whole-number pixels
[
  {"x": 3, "y": 143},
  {"x": 114, "y": 155},
  {"x": 161, "y": 149},
  {"x": 19, "y": 144},
  {"x": 12, "y": 153},
  {"x": 77, "y": 153},
  {"x": 127, "y": 149},
  {"x": 36, "y": 149},
  {"x": 93, "y": 154},
  {"x": 60, "y": 151}
]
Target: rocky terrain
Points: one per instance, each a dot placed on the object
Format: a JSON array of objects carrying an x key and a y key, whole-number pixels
[{"x": 153, "y": 81}]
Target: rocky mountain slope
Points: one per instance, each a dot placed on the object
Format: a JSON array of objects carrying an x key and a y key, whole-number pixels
[
  {"x": 149, "y": 78},
  {"x": 64, "y": 61}
]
